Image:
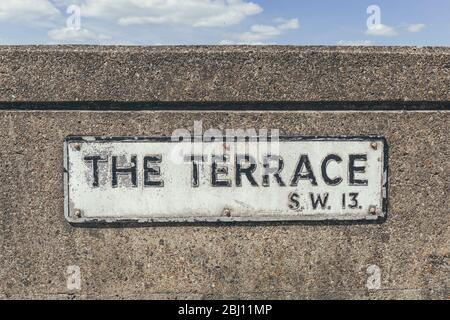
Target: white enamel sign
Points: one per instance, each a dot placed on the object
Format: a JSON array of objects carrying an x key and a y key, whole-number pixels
[{"x": 137, "y": 179}]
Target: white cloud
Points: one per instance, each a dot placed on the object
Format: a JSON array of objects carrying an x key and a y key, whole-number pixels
[
  {"x": 194, "y": 13},
  {"x": 355, "y": 43},
  {"x": 415, "y": 27},
  {"x": 381, "y": 30},
  {"x": 259, "y": 33},
  {"x": 27, "y": 10},
  {"x": 388, "y": 31},
  {"x": 74, "y": 35},
  {"x": 287, "y": 24}
]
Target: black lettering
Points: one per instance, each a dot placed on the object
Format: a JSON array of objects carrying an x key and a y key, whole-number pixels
[
  {"x": 275, "y": 171},
  {"x": 353, "y": 196},
  {"x": 95, "y": 160},
  {"x": 132, "y": 169},
  {"x": 309, "y": 175},
  {"x": 195, "y": 159},
  {"x": 319, "y": 200},
  {"x": 294, "y": 202},
  {"x": 219, "y": 169},
  {"x": 152, "y": 170},
  {"x": 352, "y": 169},
  {"x": 325, "y": 162},
  {"x": 247, "y": 171}
]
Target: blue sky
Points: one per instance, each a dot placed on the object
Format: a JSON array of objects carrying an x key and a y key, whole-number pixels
[{"x": 161, "y": 22}]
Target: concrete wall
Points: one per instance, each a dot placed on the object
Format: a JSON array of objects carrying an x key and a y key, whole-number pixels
[{"x": 47, "y": 93}]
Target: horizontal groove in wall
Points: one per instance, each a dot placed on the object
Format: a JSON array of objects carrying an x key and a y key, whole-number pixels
[{"x": 231, "y": 106}]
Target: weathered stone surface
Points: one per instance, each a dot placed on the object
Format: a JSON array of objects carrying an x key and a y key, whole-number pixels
[
  {"x": 224, "y": 73},
  {"x": 284, "y": 260},
  {"x": 278, "y": 260}
]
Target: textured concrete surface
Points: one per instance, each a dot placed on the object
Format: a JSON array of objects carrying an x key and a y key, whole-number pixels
[
  {"x": 412, "y": 248},
  {"x": 296, "y": 260},
  {"x": 218, "y": 73}
]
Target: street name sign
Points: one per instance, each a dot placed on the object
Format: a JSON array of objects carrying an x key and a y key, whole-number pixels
[{"x": 155, "y": 179}]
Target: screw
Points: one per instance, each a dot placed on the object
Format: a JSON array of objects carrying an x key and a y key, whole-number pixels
[
  {"x": 372, "y": 210},
  {"x": 227, "y": 212},
  {"x": 77, "y": 213},
  {"x": 77, "y": 146},
  {"x": 374, "y": 145}
]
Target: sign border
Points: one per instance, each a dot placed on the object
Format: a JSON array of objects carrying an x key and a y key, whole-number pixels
[{"x": 379, "y": 218}]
